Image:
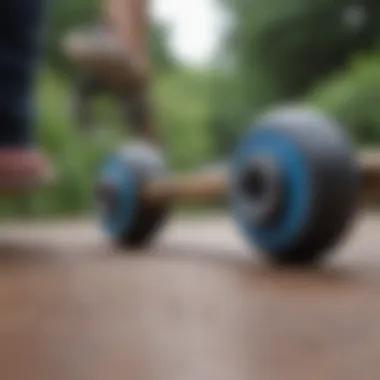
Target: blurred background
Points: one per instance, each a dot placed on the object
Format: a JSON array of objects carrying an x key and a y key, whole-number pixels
[{"x": 217, "y": 65}]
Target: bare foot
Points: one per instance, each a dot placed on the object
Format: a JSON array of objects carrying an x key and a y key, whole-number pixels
[{"x": 22, "y": 171}]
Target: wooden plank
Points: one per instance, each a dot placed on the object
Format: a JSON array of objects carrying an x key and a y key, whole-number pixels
[
  {"x": 200, "y": 187},
  {"x": 197, "y": 308}
]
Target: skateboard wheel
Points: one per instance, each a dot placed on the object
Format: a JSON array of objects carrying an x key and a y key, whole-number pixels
[
  {"x": 124, "y": 217},
  {"x": 294, "y": 185}
]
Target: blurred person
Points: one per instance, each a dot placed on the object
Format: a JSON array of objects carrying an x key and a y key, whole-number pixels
[
  {"x": 22, "y": 165},
  {"x": 115, "y": 53},
  {"x": 129, "y": 21}
]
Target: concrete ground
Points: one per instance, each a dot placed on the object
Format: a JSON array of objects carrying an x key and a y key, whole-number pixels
[{"x": 198, "y": 305}]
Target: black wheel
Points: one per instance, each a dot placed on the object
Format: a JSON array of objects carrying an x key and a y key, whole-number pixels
[
  {"x": 126, "y": 219},
  {"x": 295, "y": 185}
]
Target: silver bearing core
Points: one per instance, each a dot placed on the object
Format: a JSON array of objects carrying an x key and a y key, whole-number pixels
[{"x": 260, "y": 190}]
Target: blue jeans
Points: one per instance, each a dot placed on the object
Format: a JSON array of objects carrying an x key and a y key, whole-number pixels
[{"x": 21, "y": 23}]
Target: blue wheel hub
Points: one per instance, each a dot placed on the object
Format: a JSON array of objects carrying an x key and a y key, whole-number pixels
[
  {"x": 118, "y": 207},
  {"x": 287, "y": 223}
]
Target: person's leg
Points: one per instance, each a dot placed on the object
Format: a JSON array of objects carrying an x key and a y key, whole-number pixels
[
  {"x": 118, "y": 55},
  {"x": 20, "y": 43},
  {"x": 116, "y": 50},
  {"x": 129, "y": 21}
]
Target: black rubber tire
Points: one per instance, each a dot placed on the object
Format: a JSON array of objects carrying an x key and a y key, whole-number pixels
[
  {"x": 334, "y": 177},
  {"x": 147, "y": 163},
  {"x": 147, "y": 224}
]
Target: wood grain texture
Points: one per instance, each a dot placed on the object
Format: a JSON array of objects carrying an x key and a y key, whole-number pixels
[{"x": 198, "y": 305}]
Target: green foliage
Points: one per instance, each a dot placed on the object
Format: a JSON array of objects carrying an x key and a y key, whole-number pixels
[
  {"x": 353, "y": 97},
  {"x": 183, "y": 110},
  {"x": 64, "y": 16},
  {"x": 232, "y": 111},
  {"x": 293, "y": 44},
  {"x": 162, "y": 58}
]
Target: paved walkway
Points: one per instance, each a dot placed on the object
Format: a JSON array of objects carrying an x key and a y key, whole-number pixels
[{"x": 197, "y": 306}]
